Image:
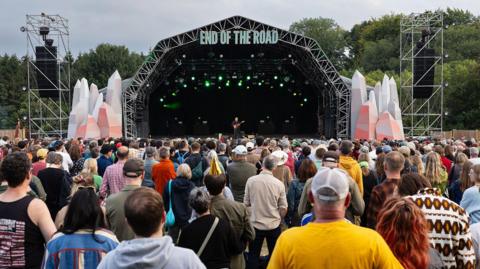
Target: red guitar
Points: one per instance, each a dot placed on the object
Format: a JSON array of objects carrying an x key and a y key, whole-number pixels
[{"x": 238, "y": 124}]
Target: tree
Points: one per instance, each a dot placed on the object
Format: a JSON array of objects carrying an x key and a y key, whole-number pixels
[
  {"x": 13, "y": 100},
  {"x": 329, "y": 35},
  {"x": 455, "y": 16},
  {"x": 99, "y": 64}
]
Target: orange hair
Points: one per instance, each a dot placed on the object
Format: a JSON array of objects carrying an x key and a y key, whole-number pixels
[{"x": 403, "y": 226}]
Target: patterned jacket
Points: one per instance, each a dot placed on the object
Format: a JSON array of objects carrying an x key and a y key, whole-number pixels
[{"x": 449, "y": 229}]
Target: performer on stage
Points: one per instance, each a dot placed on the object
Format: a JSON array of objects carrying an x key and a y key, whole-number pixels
[{"x": 236, "y": 128}]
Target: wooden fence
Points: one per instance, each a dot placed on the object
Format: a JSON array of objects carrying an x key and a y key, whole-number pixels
[
  {"x": 457, "y": 134},
  {"x": 11, "y": 133}
]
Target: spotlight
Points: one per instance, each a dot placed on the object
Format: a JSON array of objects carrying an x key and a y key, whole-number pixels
[
  {"x": 259, "y": 84},
  {"x": 248, "y": 87},
  {"x": 228, "y": 83},
  {"x": 281, "y": 84},
  {"x": 221, "y": 56},
  {"x": 275, "y": 77},
  {"x": 240, "y": 83},
  {"x": 193, "y": 78},
  {"x": 161, "y": 99},
  {"x": 184, "y": 85},
  {"x": 248, "y": 77},
  {"x": 220, "y": 78},
  {"x": 207, "y": 83},
  {"x": 294, "y": 94},
  {"x": 184, "y": 56},
  {"x": 289, "y": 55},
  {"x": 301, "y": 104},
  {"x": 252, "y": 56},
  {"x": 24, "y": 88},
  {"x": 305, "y": 100}
]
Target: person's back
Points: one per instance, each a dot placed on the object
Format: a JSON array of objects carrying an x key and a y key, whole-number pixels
[
  {"x": 145, "y": 214},
  {"x": 358, "y": 247},
  {"x": 25, "y": 223},
  {"x": 451, "y": 231},
  {"x": 116, "y": 216},
  {"x": 239, "y": 171},
  {"x": 338, "y": 243},
  {"x": 163, "y": 171},
  {"x": 349, "y": 164}
]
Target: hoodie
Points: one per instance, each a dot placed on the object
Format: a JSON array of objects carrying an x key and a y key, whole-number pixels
[
  {"x": 150, "y": 253},
  {"x": 181, "y": 188},
  {"x": 353, "y": 168}
]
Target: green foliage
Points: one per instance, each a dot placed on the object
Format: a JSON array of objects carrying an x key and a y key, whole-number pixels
[
  {"x": 461, "y": 41},
  {"x": 99, "y": 64},
  {"x": 329, "y": 35},
  {"x": 13, "y": 100}
]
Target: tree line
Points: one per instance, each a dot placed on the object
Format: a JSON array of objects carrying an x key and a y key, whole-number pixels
[{"x": 371, "y": 46}]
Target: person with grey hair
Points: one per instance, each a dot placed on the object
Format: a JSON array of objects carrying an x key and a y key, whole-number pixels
[
  {"x": 222, "y": 154},
  {"x": 212, "y": 238},
  {"x": 474, "y": 155},
  {"x": 266, "y": 197},
  {"x": 330, "y": 196},
  {"x": 150, "y": 161},
  {"x": 56, "y": 182}
]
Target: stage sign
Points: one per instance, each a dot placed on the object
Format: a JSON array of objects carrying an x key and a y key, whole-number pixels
[{"x": 238, "y": 37}]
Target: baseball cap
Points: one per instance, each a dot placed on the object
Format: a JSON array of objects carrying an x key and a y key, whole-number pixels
[
  {"x": 387, "y": 149},
  {"x": 240, "y": 150},
  {"x": 330, "y": 184},
  {"x": 133, "y": 168},
  {"x": 250, "y": 145},
  {"x": 42, "y": 153},
  {"x": 330, "y": 156}
]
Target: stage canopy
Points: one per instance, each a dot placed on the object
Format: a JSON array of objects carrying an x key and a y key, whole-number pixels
[{"x": 270, "y": 77}]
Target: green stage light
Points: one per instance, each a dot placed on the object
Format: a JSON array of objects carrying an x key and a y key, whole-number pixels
[
  {"x": 227, "y": 83},
  {"x": 193, "y": 78},
  {"x": 172, "y": 106},
  {"x": 305, "y": 100},
  {"x": 301, "y": 104},
  {"x": 294, "y": 94},
  {"x": 275, "y": 77},
  {"x": 207, "y": 83},
  {"x": 281, "y": 84},
  {"x": 240, "y": 83},
  {"x": 174, "y": 94},
  {"x": 248, "y": 77},
  {"x": 161, "y": 99},
  {"x": 184, "y": 85},
  {"x": 220, "y": 78},
  {"x": 259, "y": 84}
]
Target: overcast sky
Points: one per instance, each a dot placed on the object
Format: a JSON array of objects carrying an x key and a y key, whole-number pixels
[{"x": 139, "y": 24}]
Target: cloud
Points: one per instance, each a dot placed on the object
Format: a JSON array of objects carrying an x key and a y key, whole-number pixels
[{"x": 140, "y": 24}]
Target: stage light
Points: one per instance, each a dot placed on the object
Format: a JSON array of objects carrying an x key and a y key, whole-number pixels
[
  {"x": 305, "y": 100},
  {"x": 161, "y": 99},
  {"x": 174, "y": 94},
  {"x": 294, "y": 94},
  {"x": 207, "y": 83},
  {"x": 184, "y": 56},
  {"x": 220, "y": 78},
  {"x": 259, "y": 84},
  {"x": 221, "y": 56},
  {"x": 193, "y": 78},
  {"x": 184, "y": 85},
  {"x": 228, "y": 83},
  {"x": 248, "y": 87},
  {"x": 275, "y": 77},
  {"x": 301, "y": 104},
  {"x": 219, "y": 87},
  {"x": 248, "y": 77},
  {"x": 240, "y": 83},
  {"x": 281, "y": 84},
  {"x": 252, "y": 56}
]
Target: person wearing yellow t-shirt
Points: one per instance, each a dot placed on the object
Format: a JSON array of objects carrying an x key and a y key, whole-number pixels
[{"x": 331, "y": 241}]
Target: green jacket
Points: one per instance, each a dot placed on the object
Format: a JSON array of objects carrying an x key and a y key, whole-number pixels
[
  {"x": 116, "y": 214},
  {"x": 237, "y": 215}
]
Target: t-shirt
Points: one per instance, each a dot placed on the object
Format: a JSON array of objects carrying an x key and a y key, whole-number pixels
[{"x": 337, "y": 244}]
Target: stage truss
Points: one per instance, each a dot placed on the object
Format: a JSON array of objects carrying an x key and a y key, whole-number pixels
[
  {"x": 312, "y": 62},
  {"x": 48, "y": 116},
  {"x": 421, "y": 117}
]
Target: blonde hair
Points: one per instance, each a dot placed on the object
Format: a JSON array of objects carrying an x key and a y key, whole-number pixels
[
  {"x": 184, "y": 171},
  {"x": 476, "y": 171},
  {"x": 90, "y": 166},
  {"x": 364, "y": 157},
  {"x": 417, "y": 161},
  {"x": 433, "y": 168},
  {"x": 83, "y": 180}
]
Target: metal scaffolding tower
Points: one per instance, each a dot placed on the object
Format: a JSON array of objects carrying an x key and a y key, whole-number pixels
[
  {"x": 419, "y": 33},
  {"x": 48, "y": 107}
]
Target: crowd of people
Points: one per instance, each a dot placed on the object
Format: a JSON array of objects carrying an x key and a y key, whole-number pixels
[{"x": 239, "y": 203}]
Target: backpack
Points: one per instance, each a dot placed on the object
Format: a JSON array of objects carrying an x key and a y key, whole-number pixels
[
  {"x": 197, "y": 174},
  {"x": 181, "y": 158}
]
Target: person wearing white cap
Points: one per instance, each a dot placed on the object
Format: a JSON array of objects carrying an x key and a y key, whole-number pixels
[
  {"x": 238, "y": 172},
  {"x": 281, "y": 171},
  {"x": 338, "y": 243},
  {"x": 252, "y": 157}
]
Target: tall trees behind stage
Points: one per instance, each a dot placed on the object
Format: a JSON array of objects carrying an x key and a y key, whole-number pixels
[{"x": 371, "y": 46}]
